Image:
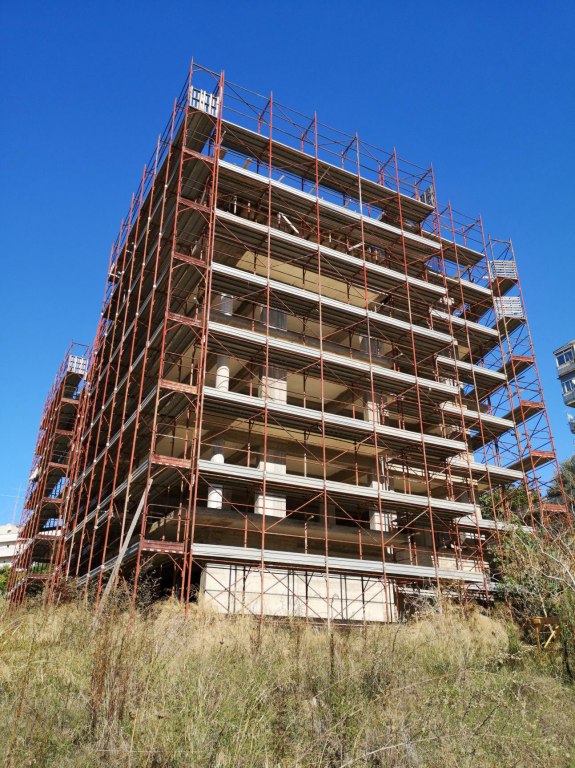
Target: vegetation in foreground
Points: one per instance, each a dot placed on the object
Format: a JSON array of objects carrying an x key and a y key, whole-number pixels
[{"x": 453, "y": 688}]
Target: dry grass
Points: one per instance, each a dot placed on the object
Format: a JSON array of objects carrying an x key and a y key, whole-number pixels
[{"x": 162, "y": 692}]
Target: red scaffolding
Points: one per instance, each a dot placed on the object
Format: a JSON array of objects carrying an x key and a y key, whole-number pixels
[
  {"x": 41, "y": 522},
  {"x": 313, "y": 390}
]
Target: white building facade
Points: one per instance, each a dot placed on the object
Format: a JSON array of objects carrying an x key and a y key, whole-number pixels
[{"x": 8, "y": 541}]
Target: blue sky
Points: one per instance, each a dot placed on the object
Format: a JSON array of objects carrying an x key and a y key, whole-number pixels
[{"x": 485, "y": 91}]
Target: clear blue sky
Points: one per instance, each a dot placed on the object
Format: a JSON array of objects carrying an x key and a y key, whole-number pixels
[{"x": 485, "y": 91}]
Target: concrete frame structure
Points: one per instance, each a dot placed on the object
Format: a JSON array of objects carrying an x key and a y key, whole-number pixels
[{"x": 312, "y": 391}]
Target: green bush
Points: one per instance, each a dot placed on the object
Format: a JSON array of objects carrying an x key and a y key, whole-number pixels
[{"x": 4, "y": 576}]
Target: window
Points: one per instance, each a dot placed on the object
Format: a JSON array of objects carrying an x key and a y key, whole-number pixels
[
  {"x": 565, "y": 357},
  {"x": 568, "y": 386}
]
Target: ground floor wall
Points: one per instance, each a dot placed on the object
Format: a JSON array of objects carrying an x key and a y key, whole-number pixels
[{"x": 295, "y": 593}]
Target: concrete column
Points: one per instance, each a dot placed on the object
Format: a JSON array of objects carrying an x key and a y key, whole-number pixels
[
  {"x": 274, "y": 385},
  {"x": 278, "y": 318},
  {"x": 370, "y": 344},
  {"x": 216, "y": 492},
  {"x": 331, "y": 512},
  {"x": 223, "y": 372},
  {"x": 371, "y": 411},
  {"x": 223, "y": 303},
  {"x": 386, "y": 520},
  {"x": 272, "y": 503},
  {"x": 463, "y": 494}
]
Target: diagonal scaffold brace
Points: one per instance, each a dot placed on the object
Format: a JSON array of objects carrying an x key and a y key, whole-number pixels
[{"x": 124, "y": 547}]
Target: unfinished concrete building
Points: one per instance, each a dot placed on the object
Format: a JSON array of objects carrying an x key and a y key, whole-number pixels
[{"x": 312, "y": 388}]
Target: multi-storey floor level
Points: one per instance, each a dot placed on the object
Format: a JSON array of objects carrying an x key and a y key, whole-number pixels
[{"x": 312, "y": 388}]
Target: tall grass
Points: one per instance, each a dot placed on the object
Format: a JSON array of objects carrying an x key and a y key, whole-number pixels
[{"x": 159, "y": 691}]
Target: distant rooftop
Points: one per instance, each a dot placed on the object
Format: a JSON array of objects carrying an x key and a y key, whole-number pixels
[{"x": 564, "y": 346}]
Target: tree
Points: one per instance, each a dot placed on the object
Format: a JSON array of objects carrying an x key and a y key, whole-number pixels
[
  {"x": 565, "y": 476},
  {"x": 4, "y": 576},
  {"x": 538, "y": 579},
  {"x": 513, "y": 500}
]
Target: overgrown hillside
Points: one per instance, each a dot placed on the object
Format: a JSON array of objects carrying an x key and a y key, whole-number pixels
[{"x": 452, "y": 689}]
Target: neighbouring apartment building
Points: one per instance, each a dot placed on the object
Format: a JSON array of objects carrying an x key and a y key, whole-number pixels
[
  {"x": 312, "y": 391},
  {"x": 565, "y": 359},
  {"x": 8, "y": 540}
]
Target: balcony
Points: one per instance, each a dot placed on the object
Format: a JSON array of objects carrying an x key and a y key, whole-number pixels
[
  {"x": 565, "y": 369},
  {"x": 565, "y": 359}
]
